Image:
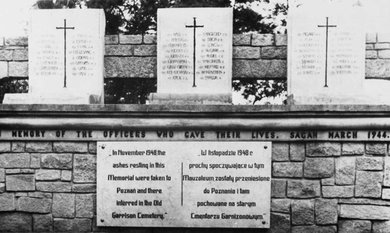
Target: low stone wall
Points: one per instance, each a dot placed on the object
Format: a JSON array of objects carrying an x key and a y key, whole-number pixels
[{"x": 254, "y": 56}]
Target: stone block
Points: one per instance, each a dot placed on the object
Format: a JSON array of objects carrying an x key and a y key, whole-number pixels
[
  {"x": 130, "y": 67},
  {"x": 82, "y": 225},
  {"x": 281, "y": 39},
  {"x": 386, "y": 179},
  {"x": 63, "y": 225},
  {"x": 16, "y": 41},
  {"x": 354, "y": 226},
  {"x": 119, "y": 50},
  {"x": 18, "y": 146},
  {"x": 71, "y": 147},
  {"x": 2, "y": 187},
  {"x": 369, "y": 47},
  {"x": 278, "y": 188},
  {"x": 263, "y": 39},
  {"x": 15, "y": 160},
  {"x": 337, "y": 191},
  {"x": 303, "y": 188},
  {"x": 19, "y": 171},
  {"x": 84, "y": 168},
  {"x": 368, "y": 184},
  {"x": 130, "y": 39},
  {"x": 280, "y": 223},
  {"x": 20, "y": 55},
  {"x": 371, "y": 37},
  {"x": 381, "y": 227},
  {"x": 111, "y": 39},
  {"x": 326, "y": 211},
  {"x": 3, "y": 69},
  {"x": 2, "y": 175},
  {"x": 84, "y": 205},
  {"x": 345, "y": 170},
  {"x": 46, "y": 174},
  {"x": 280, "y": 152},
  {"x": 246, "y": 52},
  {"x": 18, "y": 69},
  {"x": 273, "y": 52},
  {"x": 35, "y": 161},
  {"x": 376, "y": 148},
  {"x": 34, "y": 205},
  {"x": 241, "y": 39},
  {"x": 384, "y": 54},
  {"x": 66, "y": 175},
  {"x": 379, "y": 46},
  {"x": 274, "y": 69},
  {"x": 280, "y": 205},
  {"x": 366, "y": 212},
  {"x": 383, "y": 37},
  {"x": 59, "y": 161},
  {"x": 377, "y": 68},
  {"x": 5, "y": 55},
  {"x": 319, "y": 167},
  {"x": 7, "y": 202},
  {"x": 314, "y": 229},
  {"x": 92, "y": 147},
  {"x": 40, "y": 195},
  {"x": 39, "y": 147},
  {"x": 16, "y": 222},
  {"x": 328, "y": 181},
  {"x": 145, "y": 50},
  {"x": 369, "y": 163},
  {"x": 302, "y": 212},
  {"x": 287, "y": 169},
  {"x": 43, "y": 222},
  {"x": 84, "y": 188},
  {"x": 323, "y": 149},
  {"x": 63, "y": 205},
  {"x": 5, "y": 146},
  {"x": 372, "y": 54},
  {"x": 20, "y": 183},
  {"x": 150, "y": 38},
  {"x": 297, "y": 151},
  {"x": 386, "y": 194},
  {"x": 54, "y": 186}
]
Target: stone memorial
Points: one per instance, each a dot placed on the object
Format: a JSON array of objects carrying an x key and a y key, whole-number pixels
[
  {"x": 194, "y": 55},
  {"x": 326, "y": 54},
  {"x": 184, "y": 184},
  {"x": 66, "y": 54}
]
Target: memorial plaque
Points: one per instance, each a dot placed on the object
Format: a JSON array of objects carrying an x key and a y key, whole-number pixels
[
  {"x": 184, "y": 184},
  {"x": 326, "y": 54},
  {"x": 194, "y": 50}
]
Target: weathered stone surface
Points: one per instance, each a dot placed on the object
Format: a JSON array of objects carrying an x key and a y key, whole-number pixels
[
  {"x": 281, "y": 39},
  {"x": 2, "y": 187},
  {"x": 287, "y": 169},
  {"x": 379, "y": 46},
  {"x": 303, "y": 188},
  {"x": 20, "y": 171},
  {"x": 328, "y": 181},
  {"x": 353, "y": 148},
  {"x": 66, "y": 175},
  {"x": 3, "y": 69},
  {"x": 280, "y": 205},
  {"x": 15, "y": 222},
  {"x": 18, "y": 146},
  {"x": 150, "y": 38},
  {"x": 16, "y": 41},
  {"x": 297, "y": 151},
  {"x": 319, "y": 167},
  {"x": 15, "y": 160},
  {"x": 323, "y": 149},
  {"x": 59, "y": 161},
  {"x": 262, "y": 39},
  {"x": 302, "y": 212},
  {"x": 384, "y": 54},
  {"x": 84, "y": 170},
  {"x": 82, "y": 225},
  {"x": 381, "y": 227},
  {"x": 38, "y": 146},
  {"x": 241, "y": 39},
  {"x": 377, "y": 68},
  {"x": 354, "y": 226},
  {"x": 145, "y": 50},
  {"x": 369, "y": 163},
  {"x": 5, "y": 55},
  {"x": 364, "y": 201},
  {"x": 131, "y": 67},
  {"x": 278, "y": 188},
  {"x": 73, "y": 225},
  {"x": 7, "y": 202},
  {"x": 274, "y": 52},
  {"x": 130, "y": 39},
  {"x": 40, "y": 195},
  {"x": 337, "y": 191},
  {"x": 373, "y": 212},
  {"x": 71, "y": 147},
  {"x": 386, "y": 179},
  {"x": 20, "y": 55},
  {"x": 280, "y": 223},
  {"x": 280, "y": 152},
  {"x": 35, "y": 161},
  {"x": 63, "y": 224},
  {"x": 111, "y": 39},
  {"x": 383, "y": 37},
  {"x": 92, "y": 147},
  {"x": 42, "y": 222},
  {"x": 368, "y": 184},
  {"x": 34, "y": 205},
  {"x": 259, "y": 69},
  {"x": 18, "y": 69},
  {"x": 314, "y": 229},
  {"x": 86, "y": 188},
  {"x": 54, "y": 186},
  {"x": 5, "y": 146},
  {"x": 369, "y": 47},
  {"x": 326, "y": 211},
  {"x": 119, "y": 50},
  {"x": 345, "y": 170},
  {"x": 371, "y": 54},
  {"x": 84, "y": 205},
  {"x": 2, "y": 174},
  {"x": 46, "y": 174},
  {"x": 246, "y": 52},
  {"x": 20, "y": 183},
  {"x": 376, "y": 148},
  {"x": 386, "y": 194},
  {"x": 63, "y": 205}
]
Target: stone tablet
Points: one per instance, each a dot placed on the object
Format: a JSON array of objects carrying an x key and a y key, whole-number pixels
[
  {"x": 326, "y": 56},
  {"x": 194, "y": 51},
  {"x": 66, "y": 52},
  {"x": 184, "y": 184}
]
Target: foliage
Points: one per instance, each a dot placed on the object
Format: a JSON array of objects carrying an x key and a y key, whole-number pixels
[
  {"x": 120, "y": 91},
  {"x": 8, "y": 85}
]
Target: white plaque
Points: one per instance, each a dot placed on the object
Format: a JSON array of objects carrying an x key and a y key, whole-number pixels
[
  {"x": 326, "y": 54},
  {"x": 194, "y": 50},
  {"x": 184, "y": 184}
]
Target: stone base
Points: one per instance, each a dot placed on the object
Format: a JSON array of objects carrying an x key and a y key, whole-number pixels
[
  {"x": 55, "y": 98},
  {"x": 193, "y": 99}
]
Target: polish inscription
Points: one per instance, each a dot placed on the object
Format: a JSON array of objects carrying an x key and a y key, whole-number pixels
[{"x": 184, "y": 184}]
